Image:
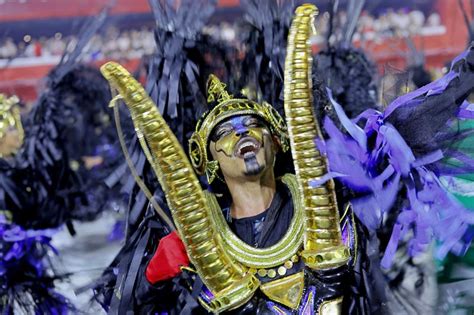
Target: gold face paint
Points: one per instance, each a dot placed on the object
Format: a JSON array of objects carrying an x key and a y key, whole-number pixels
[
  {"x": 228, "y": 142},
  {"x": 228, "y": 134}
]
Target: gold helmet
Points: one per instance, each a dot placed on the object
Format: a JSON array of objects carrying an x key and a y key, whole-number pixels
[
  {"x": 10, "y": 115},
  {"x": 228, "y": 106}
]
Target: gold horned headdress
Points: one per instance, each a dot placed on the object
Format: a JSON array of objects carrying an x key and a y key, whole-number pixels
[
  {"x": 228, "y": 267},
  {"x": 228, "y": 106}
]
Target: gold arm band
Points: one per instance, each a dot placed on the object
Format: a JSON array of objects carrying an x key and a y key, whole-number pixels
[
  {"x": 322, "y": 239},
  {"x": 226, "y": 279}
]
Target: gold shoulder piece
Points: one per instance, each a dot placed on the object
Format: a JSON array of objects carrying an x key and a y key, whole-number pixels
[
  {"x": 322, "y": 240},
  {"x": 226, "y": 279}
]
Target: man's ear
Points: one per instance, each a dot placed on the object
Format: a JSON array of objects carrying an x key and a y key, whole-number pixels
[
  {"x": 276, "y": 143},
  {"x": 212, "y": 150}
]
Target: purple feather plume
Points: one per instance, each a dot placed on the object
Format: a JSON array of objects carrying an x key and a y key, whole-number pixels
[{"x": 376, "y": 162}]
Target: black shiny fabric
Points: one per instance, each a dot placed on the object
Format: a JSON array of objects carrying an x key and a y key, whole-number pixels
[{"x": 276, "y": 220}]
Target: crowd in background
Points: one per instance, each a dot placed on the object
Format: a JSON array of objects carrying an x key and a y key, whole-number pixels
[
  {"x": 401, "y": 23},
  {"x": 135, "y": 43},
  {"x": 389, "y": 24},
  {"x": 112, "y": 44}
]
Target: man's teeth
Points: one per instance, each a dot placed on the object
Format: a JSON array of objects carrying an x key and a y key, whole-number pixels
[{"x": 246, "y": 144}]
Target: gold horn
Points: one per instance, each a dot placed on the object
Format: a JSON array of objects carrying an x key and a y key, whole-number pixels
[
  {"x": 226, "y": 279},
  {"x": 322, "y": 241}
]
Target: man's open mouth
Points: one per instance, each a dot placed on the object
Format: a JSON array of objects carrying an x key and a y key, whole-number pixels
[{"x": 246, "y": 147}]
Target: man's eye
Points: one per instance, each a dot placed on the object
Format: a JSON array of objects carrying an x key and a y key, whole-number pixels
[
  {"x": 252, "y": 124},
  {"x": 225, "y": 133},
  {"x": 222, "y": 133}
]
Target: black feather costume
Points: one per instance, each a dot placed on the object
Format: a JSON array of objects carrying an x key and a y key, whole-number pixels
[
  {"x": 40, "y": 189},
  {"x": 366, "y": 284}
]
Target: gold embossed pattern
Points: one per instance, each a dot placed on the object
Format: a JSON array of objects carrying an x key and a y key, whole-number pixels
[
  {"x": 226, "y": 279},
  {"x": 263, "y": 258},
  {"x": 10, "y": 116},
  {"x": 322, "y": 240}
]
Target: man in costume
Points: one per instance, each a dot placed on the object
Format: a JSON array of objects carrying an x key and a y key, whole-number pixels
[
  {"x": 40, "y": 188},
  {"x": 236, "y": 142},
  {"x": 236, "y": 262},
  {"x": 40, "y": 191},
  {"x": 26, "y": 276}
]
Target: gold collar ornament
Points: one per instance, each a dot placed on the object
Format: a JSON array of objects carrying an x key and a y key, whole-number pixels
[{"x": 268, "y": 257}]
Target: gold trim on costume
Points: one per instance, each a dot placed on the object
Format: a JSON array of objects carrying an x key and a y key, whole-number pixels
[
  {"x": 354, "y": 235},
  {"x": 262, "y": 258},
  {"x": 287, "y": 291},
  {"x": 331, "y": 307}
]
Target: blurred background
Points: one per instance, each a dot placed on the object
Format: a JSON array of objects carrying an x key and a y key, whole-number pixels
[{"x": 394, "y": 34}]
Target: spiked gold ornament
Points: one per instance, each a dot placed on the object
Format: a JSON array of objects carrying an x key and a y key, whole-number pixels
[
  {"x": 216, "y": 90},
  {"x": 211, "y": 170}
]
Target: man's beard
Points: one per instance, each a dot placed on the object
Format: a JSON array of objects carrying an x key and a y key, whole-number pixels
[{"x": 252, "y": 165}]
